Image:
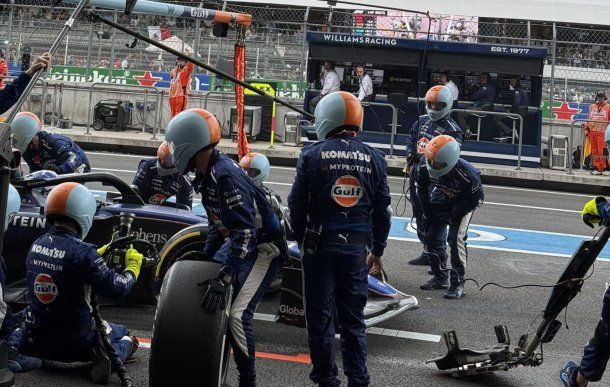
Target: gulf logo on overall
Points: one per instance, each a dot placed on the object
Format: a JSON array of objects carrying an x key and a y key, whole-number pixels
[
  {"x": 421, "y": 145},
  {"x": 347, "y": 191},
  {"x": 45, "y": 289}
]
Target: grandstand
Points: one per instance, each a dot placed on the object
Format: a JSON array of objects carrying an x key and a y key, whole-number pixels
[{"x": 276, "y": 47}]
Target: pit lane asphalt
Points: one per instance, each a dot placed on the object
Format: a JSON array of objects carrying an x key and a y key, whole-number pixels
[{"x": 398, "y": 361}]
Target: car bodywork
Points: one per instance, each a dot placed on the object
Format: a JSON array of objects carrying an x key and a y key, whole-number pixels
[{"x": 173, "y": 231}]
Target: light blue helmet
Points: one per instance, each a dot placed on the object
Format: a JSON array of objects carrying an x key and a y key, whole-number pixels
[
  {"x": 338, "y": 110},
  {"x": 73, "y": 201},
  {"x": 442, "y": 154},
  {"x": 439, "y": 101},
  {"x": 189, "y": 132},
  {"x": 607, "y": 135},
  {"x": 257, "y": 165},
  {"x": 24, "y": 127},
  {"x": 13, "y": 203}
]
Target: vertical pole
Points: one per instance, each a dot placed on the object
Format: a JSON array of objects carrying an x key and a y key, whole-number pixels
[
  {"x": 89, "y": 52},
  {"x": 529, "y": 33},
  {"x": 304, "y": 45},
  {"x": 114, "y": 18},
  {"x": 553, "y": 48},
  {"x": 197, "y": 40},
  {"x": 9, "y": 33},
  {"x": 256, "y": 65},
  {"x": 330, "y": 18},
  {"x": 66, "y": 50}
]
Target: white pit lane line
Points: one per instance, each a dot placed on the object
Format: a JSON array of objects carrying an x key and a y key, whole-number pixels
[
  {"x": 392, "y": 194},
  {"x": 378, "y": 331}
]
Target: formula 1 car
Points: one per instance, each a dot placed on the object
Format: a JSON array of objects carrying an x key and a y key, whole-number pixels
[{"x": 173, "y": 231}]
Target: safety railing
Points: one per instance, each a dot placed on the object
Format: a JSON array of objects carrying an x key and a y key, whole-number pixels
[
  {"x": 480, "y": 114},
  {"x": 571, "y": 142},
  {"x": 125, "y": 89},
  {"x": 394, "y": 123}
]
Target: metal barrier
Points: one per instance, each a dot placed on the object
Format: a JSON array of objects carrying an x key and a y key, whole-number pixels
[
  {"x": 513, "y": 116},
  {"x": 124, "y": 89},
  {"x": 571, "y": 142},
  {"x": 394, "y": 123},
  {"x": 205, "y": 97}
]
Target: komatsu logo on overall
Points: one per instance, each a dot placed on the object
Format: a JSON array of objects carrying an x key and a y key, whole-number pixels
[
  {"x": 350, "y": 155},
  {"x": 347, "y": 191}
]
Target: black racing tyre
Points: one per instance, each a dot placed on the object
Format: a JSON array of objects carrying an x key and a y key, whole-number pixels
[
  {"x": 185, "y": 240},
  {"x": 189, "y": 346}
]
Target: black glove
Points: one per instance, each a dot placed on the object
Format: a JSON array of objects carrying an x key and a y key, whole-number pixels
[
  {"x": 215, "y": 292},
  {"x": 194, "y": 256},
  {"x": 51, "y": 167}
]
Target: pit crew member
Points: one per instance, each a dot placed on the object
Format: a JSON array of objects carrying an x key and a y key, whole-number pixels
[
  {"x": 60, "y": 266},
  {"x": 437, "y": 121},
  {"x": 258, "y": 167},
  {"x": 338, "y": 203},
  {"x": 157, "y": 180},
  {"x": 248, "y": 260},
  {"x": 11, "y": 93},
  {"x": 449, "y": 189},
  {"x": 595, "y": 132},
  {"x": 49, "y": 151},
  {"x": 597, "y": 351}
]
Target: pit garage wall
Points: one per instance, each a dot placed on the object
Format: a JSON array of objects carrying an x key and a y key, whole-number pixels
[{"x": 75, "y": 104}]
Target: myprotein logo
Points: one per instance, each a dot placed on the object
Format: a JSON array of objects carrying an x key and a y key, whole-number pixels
[
  {"x": 347, "y": 191},
  {"x": 292, "y": 311},
  {"x": 45, "y": 289}
]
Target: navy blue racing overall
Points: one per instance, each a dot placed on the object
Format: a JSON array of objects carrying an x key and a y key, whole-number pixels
[{"x": 339, "y": 203}]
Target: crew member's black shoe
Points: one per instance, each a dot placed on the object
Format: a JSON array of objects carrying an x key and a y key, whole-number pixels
[{"x": 422, "y": 260}]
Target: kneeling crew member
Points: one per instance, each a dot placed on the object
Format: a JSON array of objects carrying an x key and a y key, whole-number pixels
[
  {"x": 42, "y": 150},
  {"x": 340, "y": 200},
  {"x": 249, "y": 260},
  {"x": 456, "y": 192},
  {"x": 157, "y": 180},
  {"x": 60, "y": 267}
]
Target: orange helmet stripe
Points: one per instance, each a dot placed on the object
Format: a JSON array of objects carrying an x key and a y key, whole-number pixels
[
  {"x": 353, "y": 109},
  {"x": 435, "y": 145},
  {"x": 432, "y": 94},
  {"x": 212, "y": 122},
  {"x": 247, "y": 160},
  {"x": 163, "y": 151},
  {"x": 58, "y": 198}
]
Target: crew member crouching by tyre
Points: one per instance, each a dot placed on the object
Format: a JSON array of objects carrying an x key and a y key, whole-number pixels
[
  {"x": 157, "y": 180},
  {"x": 456, "y": 193},
  {"x": 437, "y": 121},
  {"x": 60, "y": 267},
  {"x": 249, "y": 260},
  {"x": 339, "y": 201},
  {"x": 42, "y": 150}
]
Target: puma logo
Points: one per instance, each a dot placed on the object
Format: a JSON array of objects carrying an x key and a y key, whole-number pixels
[
  {"x": 346, "y": 142},
  {"x": 344, "y": 213},
  {"x": 343, "y": 236}
]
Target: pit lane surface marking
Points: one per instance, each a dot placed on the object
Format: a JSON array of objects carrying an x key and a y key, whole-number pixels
[
  {"x": 389, "y": 177},
  {"x": 507, "y": 239},
  {"x": 303, "y": 358},
  {"x": 392, "y": 194},
  {"x": 372, "y": 330}
]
